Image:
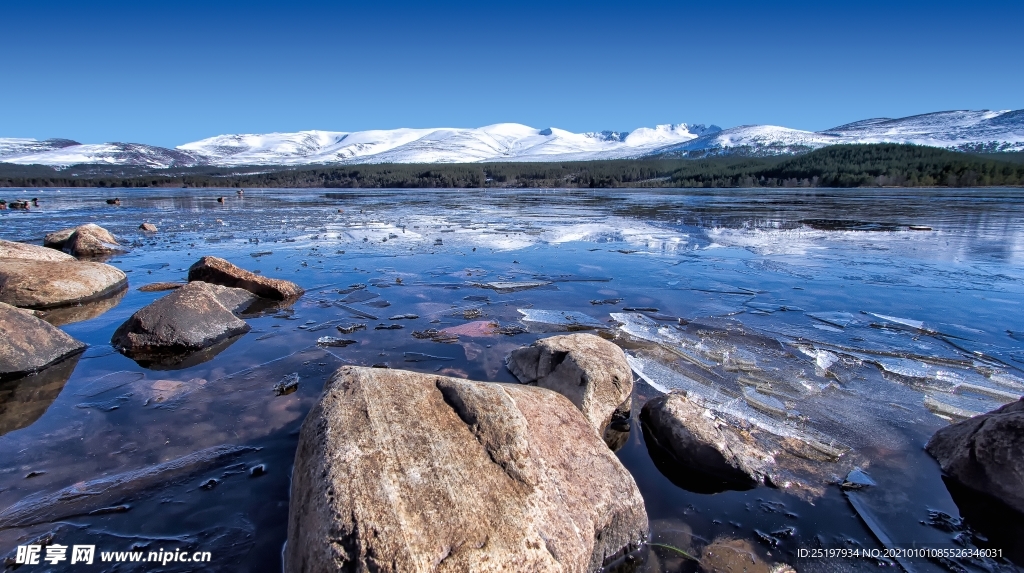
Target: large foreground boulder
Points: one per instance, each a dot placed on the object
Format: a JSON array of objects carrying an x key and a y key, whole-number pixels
[
  {"x": 404, "y": 471},
  {"x": 720, "y": 455},
  {"x": 195, "y": 317},
  {"x": 986, "y": 453},
  {"x": 13, "y": 250},
  {"x": 588, "y": 370},
  {"x": 89, "y": 240},
  {"x": 217, "y": 271},
  {"x": 29, "y": 344},
  {"x": 48, "y": 284}
]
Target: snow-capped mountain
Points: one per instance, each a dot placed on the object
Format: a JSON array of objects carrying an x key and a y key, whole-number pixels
[
  {"x": 978, "y": 131},
  {"x": 60, "y": 152},
  {"x": 988, "y": 131},
  {"x": 499, "y": 142}
]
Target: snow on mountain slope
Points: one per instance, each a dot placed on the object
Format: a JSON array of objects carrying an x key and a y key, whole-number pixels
[
  {"x": 59, "y": 154},
  {"x": 499, "y": 142},
  {"x": 979, "y": 131},
  {"x": 15, "y": 146}
]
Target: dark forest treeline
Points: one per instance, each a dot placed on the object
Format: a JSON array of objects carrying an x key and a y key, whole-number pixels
[{"x": 835, "y": 166}]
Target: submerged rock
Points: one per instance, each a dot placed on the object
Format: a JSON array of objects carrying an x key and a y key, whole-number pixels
[
  {"x": 48, "y": 284},
  {"x": 588, "y": 370},
  {"x": 217, "y": 271},
  {"x": 465, "y": 476},
  {"x": 29, "y": 344},
  {"x": 197, "y": 316},
  {"x": 718, "y": 455},
  {"x": 89, "y": 240},
  {"x": 13, "y": 250},
  {"x": 986, "y": 453}
]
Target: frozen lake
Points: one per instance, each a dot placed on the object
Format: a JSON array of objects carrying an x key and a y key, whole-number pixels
[{"x": 857, "y": 321}]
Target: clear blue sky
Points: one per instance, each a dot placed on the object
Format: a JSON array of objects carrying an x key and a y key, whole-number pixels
[{"x": 166, "y": 73}]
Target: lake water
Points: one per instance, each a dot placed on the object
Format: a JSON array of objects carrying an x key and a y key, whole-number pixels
[{"x": 868, "y": 318}]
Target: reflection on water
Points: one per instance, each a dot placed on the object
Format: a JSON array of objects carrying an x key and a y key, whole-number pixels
[
  {"x": 854, "y": 321},
  {"x": 23, "y": 400}
]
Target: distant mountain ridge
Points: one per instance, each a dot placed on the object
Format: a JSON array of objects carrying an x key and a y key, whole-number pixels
[{"x": 977, "y": 131}]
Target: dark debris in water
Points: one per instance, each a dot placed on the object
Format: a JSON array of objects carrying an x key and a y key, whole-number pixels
[
  {"x": 435, "y": 335},
  {"x": 287, "y": 385}
]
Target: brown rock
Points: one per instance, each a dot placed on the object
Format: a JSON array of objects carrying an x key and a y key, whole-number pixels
[
  {"x": 12, "y": 250},
  {"x": 726, "y": 555},
  {"x": 195, "y": 317},
  {"x": 46, "y": 284},
  {"x": 698, "y": 440},
  {"x": 986, "y": 453},
  {"x": 30, "y": 344},
  {"x": 89, "y": 240},
  {"x": 586, "y": 369},
  {"x": 148, "y": 228},
  {"x": 217, "y": 271},
  {"x": 157, "y": 287},
  {"x": 404, "y": 471}
]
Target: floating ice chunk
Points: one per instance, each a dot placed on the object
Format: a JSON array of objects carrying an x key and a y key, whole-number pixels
[
  {"x": 665, "y": 379},
  {"x": 839, "y": 319},
  {"x": 948, "y": 410},
  {"x": 509, "y": 286},
  {"x": 763, "y": 402},
  {"x": 1008, "y": 380},
  {"x": 1001, "y": 395},
  {"x": 916, "y": 324},
  {"x": 567, "y": 318}
]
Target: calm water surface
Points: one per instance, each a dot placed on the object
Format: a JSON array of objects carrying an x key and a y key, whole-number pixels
[{"x": 916, "y": 295}]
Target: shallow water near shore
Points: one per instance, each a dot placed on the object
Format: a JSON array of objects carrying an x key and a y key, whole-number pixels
[{"x": 858, "y": 321}]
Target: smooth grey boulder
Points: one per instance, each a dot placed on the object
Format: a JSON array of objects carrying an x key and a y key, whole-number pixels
[
  {"x": 192, "y": 318},
  {"x": 218, "y": 271},
  {"x": 986, "y": 453},
  {"x": 412, "y": 472},
  {"x": 13, "y": 250},
  {"x": 704, "y": 443},
  {"x": 587, "y": 369},
  {"x": 48, "y": 284},
  {"x": 89, "y": 240},
  {"x": 29, "y": 344}
]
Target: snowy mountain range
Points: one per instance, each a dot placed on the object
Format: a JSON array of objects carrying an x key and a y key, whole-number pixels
[{"x": 979, "y": 131}]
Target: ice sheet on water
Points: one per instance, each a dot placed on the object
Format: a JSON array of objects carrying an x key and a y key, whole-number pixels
[
  {"x": 564, "y": 318},
  {"x": 838, "y": 319}
]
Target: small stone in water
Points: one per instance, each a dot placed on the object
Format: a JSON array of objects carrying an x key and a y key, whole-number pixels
[
  {"x": 287, "y": 385},
  {"x": 404, "y": 317},
  {"x": 350, "y": 328},
  {"x": 258, "y": 470},
  {"x": 210, "y": 484},
  {"x": 472, "y": 313},
  {"x": 388, "y": 327},
  {"x": 332, "y": 341}
]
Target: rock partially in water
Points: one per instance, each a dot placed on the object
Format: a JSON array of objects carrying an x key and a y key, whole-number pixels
[
  {"x": 197, "y": 316},
  {"x": 89, "y": 240},
  {"x": 29, "y": 344},
  {"x": 158, "y": 287},
  {"x": 986, "y": 453},
  {"x": 726, "y": 555},
  {"x": 718, "y": 455},
  {"x": 465, "y": 476},
  {"x": 588, "y": 370},
  {"x": 13, "y": 250},
  {"x": 48, "y": 284},
  {"x": 24, "y": 400},
  {"x": 218, "y": 271},
  {"x": 148, "y": 228}
]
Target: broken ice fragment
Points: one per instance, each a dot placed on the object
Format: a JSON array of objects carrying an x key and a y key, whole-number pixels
[
  {"x": 564, "y": 318},
  {"x": 763, "y": 402},
  {"x": 404, "y": 317},
  {"x": 420, "y": 357},
  {"x": 857, "y": 479},
  {"x": 839, "y": 319},
  {"x": 510, "y": 286}
]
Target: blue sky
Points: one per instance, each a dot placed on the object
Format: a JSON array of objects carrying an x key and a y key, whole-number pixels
[{"x": 168, "y": 73}]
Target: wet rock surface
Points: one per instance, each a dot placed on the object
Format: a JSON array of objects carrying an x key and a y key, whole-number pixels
[
  {"x": 468, "y": 475},
  {"x": 986, "y": 454},
  {"x": 715, "y": 452},
  {"x": 590, "y": 371},
  {"x": 25, "y": 399},
  {"x": 29, "y": 344},
  {"x": 195, "y": 317},
  {"x": 218, "y": 271},
  {"x": 48, "y": 284},
  {"x": 89, "y": 240},
  {"x": 15, "y": 250}
]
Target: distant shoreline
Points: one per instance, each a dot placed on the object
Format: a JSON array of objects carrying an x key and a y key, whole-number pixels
[{"x": 838, "y": 166}]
